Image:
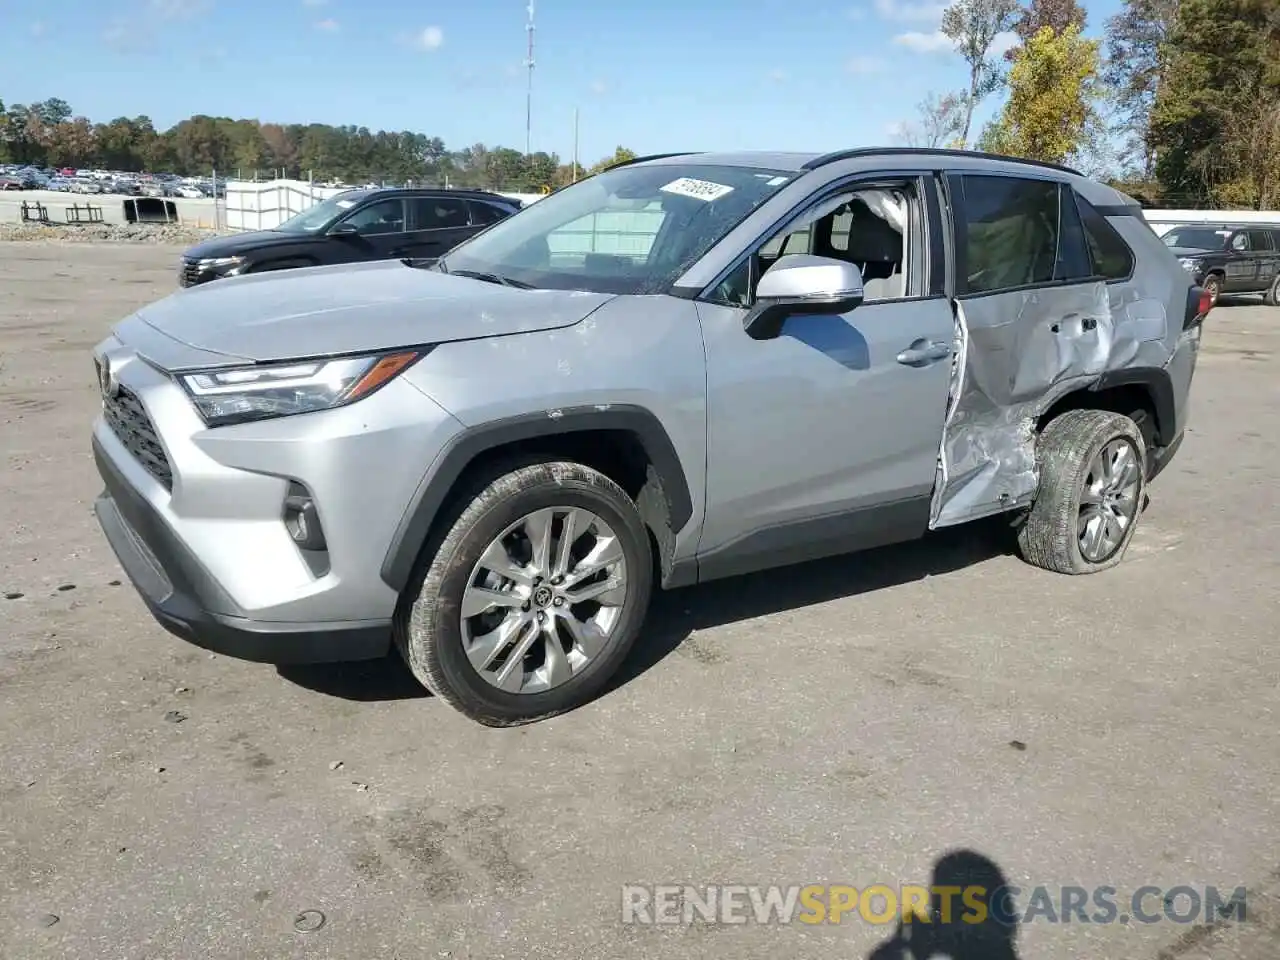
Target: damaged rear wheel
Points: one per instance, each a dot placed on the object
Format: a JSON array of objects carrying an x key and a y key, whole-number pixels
[{"x": 1092, "y": 466}]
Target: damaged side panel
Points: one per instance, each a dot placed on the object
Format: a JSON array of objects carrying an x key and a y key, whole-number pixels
[{"x": 1017, "y": 354}]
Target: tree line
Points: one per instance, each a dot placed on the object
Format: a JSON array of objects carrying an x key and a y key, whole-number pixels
[
  {"x": 1178, "y": 101},
  {"x": 49, "y": 134}
]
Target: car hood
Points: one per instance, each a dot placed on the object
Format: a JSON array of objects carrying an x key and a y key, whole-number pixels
[
  {"x": 236, "y": 243},
  {"x": 354, "y": 308}
]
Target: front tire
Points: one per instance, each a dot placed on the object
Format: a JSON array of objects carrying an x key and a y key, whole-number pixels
[
  {"x": 533, "y": 598},
  {"x": 1213, "y": 287},
  {"x": 1093, "y": 473}
]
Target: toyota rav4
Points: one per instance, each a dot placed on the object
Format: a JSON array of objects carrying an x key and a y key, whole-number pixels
[{"x": 684, "y": 368}]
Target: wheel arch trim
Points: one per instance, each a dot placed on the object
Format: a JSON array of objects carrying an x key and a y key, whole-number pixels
[
  {"x": 1157, "y": 383},
  {"x": 473, "y": 442}
]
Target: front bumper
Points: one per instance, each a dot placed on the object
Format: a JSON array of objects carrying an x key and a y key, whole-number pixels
[
  {"x": 198, "y": 516},
  {"x": 180, "y": 593}
]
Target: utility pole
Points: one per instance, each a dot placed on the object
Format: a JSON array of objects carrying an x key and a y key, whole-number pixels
[
  {"x": 575, "y": 145},
  {"x": 528, "y": 97}
]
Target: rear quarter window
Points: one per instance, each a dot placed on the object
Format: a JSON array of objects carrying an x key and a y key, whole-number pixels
[{"x": 1112, "y": 257}]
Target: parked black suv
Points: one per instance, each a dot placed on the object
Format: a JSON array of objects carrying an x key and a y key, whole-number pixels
[
  {"x": 1230, "y": 259},
  {"x": 356, "y": 225}
]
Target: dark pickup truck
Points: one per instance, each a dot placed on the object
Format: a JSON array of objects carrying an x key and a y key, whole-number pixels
[{"x": 1230, "y": 259}]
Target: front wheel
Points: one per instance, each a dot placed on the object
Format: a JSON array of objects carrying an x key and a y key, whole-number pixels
[
  {"x": 1093, "y": 473},
  {"x": 1213, "y": 287},
  {"x": 533, "y": 598}
]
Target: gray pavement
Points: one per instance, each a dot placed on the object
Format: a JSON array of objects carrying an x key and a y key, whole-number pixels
[{"x": 840, "y": 723}]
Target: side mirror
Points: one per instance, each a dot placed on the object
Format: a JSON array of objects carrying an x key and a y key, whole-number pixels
[
  {"x": 344, "y": 230},
  {"x": 800, "y": 283}
]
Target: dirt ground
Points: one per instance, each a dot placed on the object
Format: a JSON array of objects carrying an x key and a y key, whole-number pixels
[{"x": 847, "y": 722}]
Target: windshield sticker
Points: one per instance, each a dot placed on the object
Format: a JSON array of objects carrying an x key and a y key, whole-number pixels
[
  {"x": 346, "y": 203},
  {"x": 697, "y": 189},
  {"x": 777, "y": 181}
]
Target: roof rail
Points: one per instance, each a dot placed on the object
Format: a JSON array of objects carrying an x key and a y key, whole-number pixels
[
  {"x": 853, "y": 154},
  {"x": 652, "y": 156}
]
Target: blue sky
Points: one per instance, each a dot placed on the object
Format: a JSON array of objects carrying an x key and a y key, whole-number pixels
[{"x": 654, "y": 76}]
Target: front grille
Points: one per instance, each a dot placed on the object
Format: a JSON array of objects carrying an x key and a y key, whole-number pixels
[
  {"x": 190, "y": 274},
  {"x": 129, "y": 422}
]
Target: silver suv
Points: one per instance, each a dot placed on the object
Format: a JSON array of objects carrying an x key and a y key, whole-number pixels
[{"x": 684, "y": 368}]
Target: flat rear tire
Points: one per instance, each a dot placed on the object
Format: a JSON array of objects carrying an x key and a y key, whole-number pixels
[{"x": 1093, "y": 474}]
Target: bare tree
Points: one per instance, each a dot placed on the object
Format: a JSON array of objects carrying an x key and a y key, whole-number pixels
[
  {"x": 973, "y": 25},
  {"x": 939, "y": 122}
]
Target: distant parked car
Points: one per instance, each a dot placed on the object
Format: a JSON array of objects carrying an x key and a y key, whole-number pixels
[
  {"x": 356, "y": 225},
  {"x": 1230, "y": 259},
  {"x": 10, "y": 182}
]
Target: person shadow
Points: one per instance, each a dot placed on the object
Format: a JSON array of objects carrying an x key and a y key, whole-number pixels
[{"x": 980, "y": 924}]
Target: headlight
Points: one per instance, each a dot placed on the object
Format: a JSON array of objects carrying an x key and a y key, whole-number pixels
[
  {"x": 1189, "y": 264},
  {"x": 228, "y": 266},
  {"x": 264, "y": 391}
]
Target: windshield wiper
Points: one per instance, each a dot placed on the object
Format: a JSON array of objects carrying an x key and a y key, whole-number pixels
[
  {"x": 424, "y": 263},
  {"x": 492, "y": 278}
]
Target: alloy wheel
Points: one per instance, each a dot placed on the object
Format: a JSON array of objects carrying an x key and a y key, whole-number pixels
[
  {"x": 544, "y": 600},
  {"x": 1109, "y": 500}
]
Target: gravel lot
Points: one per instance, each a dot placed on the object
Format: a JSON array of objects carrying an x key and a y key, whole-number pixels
[{"x": 846, "y": 723}]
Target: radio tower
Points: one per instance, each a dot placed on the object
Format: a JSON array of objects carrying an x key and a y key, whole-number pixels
[{"x": 528, "y": 97}]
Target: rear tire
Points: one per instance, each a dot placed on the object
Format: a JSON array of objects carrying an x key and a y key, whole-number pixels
[
  {"x": 1093, "y": 472},
  {"x": 515, "y": 656}
]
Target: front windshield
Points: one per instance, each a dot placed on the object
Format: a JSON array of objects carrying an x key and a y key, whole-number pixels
[
  {"x": 632, "y": 230},
  {"x": 315, "y": 219},
  {"x": 1201, "y": 238}
]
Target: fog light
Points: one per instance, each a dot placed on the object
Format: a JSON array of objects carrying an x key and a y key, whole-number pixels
[{"x": 301, "y": 519}]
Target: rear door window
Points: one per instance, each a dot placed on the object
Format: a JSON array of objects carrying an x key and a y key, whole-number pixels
[
  {"x": 1260, "y": 240},
  {"x": 439, "y": 213},
  {"x": 485, "y": 213},
  {"x": 1014, "y": 234}
]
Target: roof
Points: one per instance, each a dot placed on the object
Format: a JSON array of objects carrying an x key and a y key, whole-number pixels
[
  {"x": 801, "y": 162},
  {"x": 450, "y": 191},
  {"x": 766, "y": 159}
]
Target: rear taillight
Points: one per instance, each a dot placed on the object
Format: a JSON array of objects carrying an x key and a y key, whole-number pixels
[
  {"x": 1199, "y": 303},
  {"x": 1206, "y": 303}
]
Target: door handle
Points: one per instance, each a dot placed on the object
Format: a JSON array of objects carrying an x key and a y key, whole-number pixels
[{"x": 923, "y": 352}]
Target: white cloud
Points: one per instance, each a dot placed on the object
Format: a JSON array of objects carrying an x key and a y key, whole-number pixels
[
  {"x": 863, "y": 65},
  {"x": 430, "y": 38},
  {"x": 897, "y": 130},
  {"x": 1003, "y": 43},
  {"x": 919, "y": 11},
  {"x": 778, "y": 75},
  {"x": 936, "y": 42},
  {"x": 599, "y": 87},
  {"x": 328, "y": 26}
]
